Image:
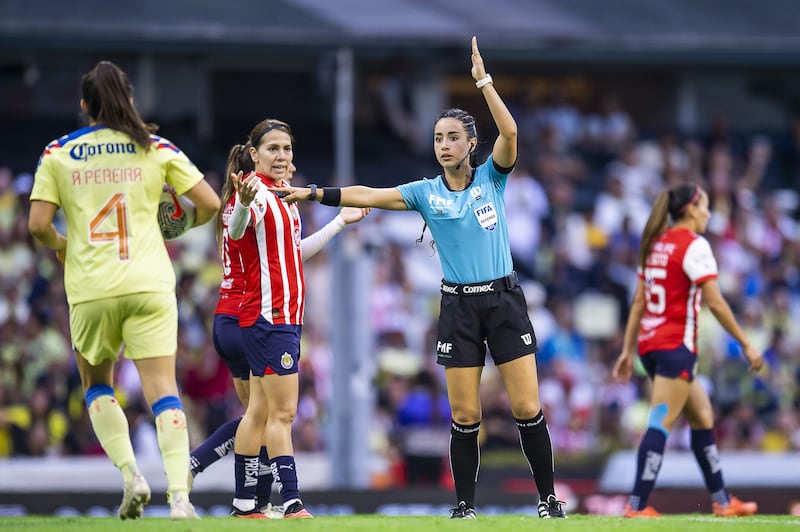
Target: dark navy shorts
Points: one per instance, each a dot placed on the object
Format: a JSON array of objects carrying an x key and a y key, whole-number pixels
[
  {"x": 272, "y": 349},
  {"x": 470, "y": 323},
  {"x": 679, "y": 363},
  {"x": 229, "y": 345}
]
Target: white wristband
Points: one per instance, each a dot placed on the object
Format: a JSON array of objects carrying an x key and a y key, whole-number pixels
[{"x": 481, "y": 83}]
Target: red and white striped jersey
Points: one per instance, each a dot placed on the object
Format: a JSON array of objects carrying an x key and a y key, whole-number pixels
[
  {"x": 231, "y": 289},
  {"x": 273, "y": 267},
  {"x": 680, "y": 261}
]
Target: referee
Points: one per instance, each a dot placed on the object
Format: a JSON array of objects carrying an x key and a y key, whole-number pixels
[{"x": 482, "y": 303}]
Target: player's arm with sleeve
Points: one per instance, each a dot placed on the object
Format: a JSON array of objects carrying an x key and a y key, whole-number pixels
[
  {"x": 44, "y": 204},
  {"x": 249, "y": 206},
  {"x": 239, "y": 220},
  {"x": 701, "y": 267},
  {"x": 311, "y": 244},
  {"x": 187, "y": 180}
]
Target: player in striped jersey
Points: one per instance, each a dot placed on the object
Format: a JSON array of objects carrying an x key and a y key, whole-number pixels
[
  {"x": 227, "y": 335},
  {"x": 120, "y": 284},
  {"x": 677, "y": 270},
  {"x": 268, "y": 235}
]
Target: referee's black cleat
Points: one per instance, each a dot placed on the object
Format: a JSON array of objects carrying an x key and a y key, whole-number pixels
[
  {"x": 462, "y": 511},
  {"x": 552, "y": 508}
]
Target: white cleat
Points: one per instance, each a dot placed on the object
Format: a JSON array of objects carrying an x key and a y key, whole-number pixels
[
  {"x": 274, "y": 512},
  {"x": 181, "y": 508},
  {"x": 134, "y": 496}
]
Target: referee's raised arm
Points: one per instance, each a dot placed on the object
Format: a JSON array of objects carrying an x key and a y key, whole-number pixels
[{"x": 504, "y": 152}]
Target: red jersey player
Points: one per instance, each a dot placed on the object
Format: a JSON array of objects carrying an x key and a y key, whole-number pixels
[
  {"x": 677, "y": 270},
  {"x": 268, "y": 235},
  {"x": 226, "y": 332}
]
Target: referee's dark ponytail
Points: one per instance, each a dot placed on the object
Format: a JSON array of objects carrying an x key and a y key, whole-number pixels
[{"x": 107, "y": 93}]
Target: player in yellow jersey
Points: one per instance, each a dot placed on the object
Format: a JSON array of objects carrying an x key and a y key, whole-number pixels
[{"x": 107, "y": 178}]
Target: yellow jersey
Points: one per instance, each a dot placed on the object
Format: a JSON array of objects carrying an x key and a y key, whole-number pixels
[{"x": 109, "y": 188}]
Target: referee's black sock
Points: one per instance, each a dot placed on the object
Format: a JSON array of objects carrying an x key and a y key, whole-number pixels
[
  {"x": 465, "y": 460},
  {"x": 538, "y": 450}
]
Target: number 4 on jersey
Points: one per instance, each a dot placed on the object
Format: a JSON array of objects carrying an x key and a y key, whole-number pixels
[{"x": 115, "y": 205}]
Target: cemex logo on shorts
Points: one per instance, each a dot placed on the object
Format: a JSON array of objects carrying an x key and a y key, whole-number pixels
[
  {"x": 468, "y": 289},
  {"x": 448, "y": 289},
  {"x": 479, "y": 289},
  {"x": 502, "y": 284}
]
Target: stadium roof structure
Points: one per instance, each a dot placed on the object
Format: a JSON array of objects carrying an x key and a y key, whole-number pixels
[{"x": 612, "y": 30}]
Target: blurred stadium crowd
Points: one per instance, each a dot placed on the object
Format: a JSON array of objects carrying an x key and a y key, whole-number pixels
[{"x": 576, "y": 204}]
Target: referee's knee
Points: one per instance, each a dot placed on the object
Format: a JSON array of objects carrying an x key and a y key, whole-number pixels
[
  {"x": 526, "y": 410},
  {"x": 466, "y": 418}
]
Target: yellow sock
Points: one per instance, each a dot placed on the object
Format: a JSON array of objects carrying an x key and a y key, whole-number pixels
[
  {"x": 111, "y": 427},
  {"x": 173, "y": 440}
]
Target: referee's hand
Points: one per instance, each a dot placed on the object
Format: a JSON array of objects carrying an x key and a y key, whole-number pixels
[
  {"x": 291, "y": 194},
  {"x": 478, "y": 70}
]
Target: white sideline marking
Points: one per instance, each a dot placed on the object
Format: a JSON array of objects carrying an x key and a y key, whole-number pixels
[{"x": 743, "y": 520}]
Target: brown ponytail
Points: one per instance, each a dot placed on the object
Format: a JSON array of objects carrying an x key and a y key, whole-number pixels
[
  {"x": 656, "y": 224},
  {"x": 669, "y": 204},
  {"x": 239, "y": 160},
  {"x": 107, "y": 93}
]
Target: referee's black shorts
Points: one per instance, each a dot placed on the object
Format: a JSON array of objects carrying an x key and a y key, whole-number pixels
[{"x": 472, "y": 318}]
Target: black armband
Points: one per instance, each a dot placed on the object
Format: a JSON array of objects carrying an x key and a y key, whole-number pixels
[
  {"x": 331, "y": 196},
  {"x": 505, "y": 170}
]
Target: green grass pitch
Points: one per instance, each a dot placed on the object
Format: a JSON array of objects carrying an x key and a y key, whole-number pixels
[{"x": 378, "y": 523}]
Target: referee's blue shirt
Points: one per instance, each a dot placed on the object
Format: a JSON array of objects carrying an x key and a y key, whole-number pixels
[{"x": 469, "y": 226}]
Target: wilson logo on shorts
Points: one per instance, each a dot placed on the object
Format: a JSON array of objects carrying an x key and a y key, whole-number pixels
[
  {"x": 527, "y": 339},
  {"x": 286, "y": 361}
]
